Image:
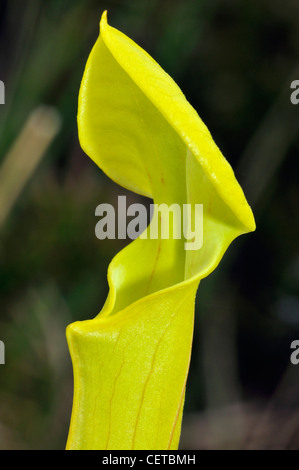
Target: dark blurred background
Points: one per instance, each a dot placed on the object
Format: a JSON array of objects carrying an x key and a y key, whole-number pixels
[{"x": 235, "y": 61}]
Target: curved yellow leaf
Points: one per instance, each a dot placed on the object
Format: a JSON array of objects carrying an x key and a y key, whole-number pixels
[{"x": 131, "y": 361}]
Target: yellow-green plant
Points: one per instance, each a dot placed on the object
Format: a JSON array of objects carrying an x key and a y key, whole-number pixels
[{"x": 131, "y": 361}]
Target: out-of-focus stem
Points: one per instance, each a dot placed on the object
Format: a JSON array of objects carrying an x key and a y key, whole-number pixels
[{"x": 38, "y": 132}]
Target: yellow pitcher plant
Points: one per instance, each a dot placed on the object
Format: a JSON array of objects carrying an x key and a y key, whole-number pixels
[{"x": 131, "y": 361}]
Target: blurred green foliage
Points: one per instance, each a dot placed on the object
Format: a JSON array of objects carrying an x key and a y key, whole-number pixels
[{"x": 235, "y": 61}]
